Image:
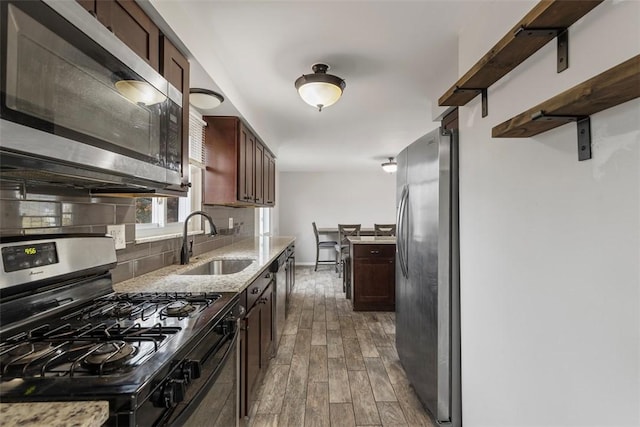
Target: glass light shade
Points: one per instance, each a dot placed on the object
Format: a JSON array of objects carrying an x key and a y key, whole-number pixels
[
  {"x": 320, "y": 94},
  {"x": 139, "y": 92},
  {"x": 204, "y": 99},
  {"x": 391, "y": 166},
  {"x": 320, "y": 89}
]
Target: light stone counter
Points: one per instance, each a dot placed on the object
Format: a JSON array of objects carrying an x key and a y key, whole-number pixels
[
  {"x": 262, "y": 250},
  {"x": 372, "y": 240},
  {"x": 54, "y": 414}
]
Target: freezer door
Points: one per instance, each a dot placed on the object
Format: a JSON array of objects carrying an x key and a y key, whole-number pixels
[{"x": 422, "y": 297}]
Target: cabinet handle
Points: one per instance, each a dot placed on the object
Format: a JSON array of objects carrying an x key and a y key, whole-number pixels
[
  {"x": 375, "y": 252},
  {"x": 255, "y": 291}
]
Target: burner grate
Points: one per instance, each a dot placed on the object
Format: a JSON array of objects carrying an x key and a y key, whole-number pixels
[{"x": 89, "y": 349}]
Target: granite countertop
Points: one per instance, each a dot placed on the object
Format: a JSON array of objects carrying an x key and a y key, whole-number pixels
[
  {"x": 262, "y": 250},
  {"x": 54, "y": 414},
  {"x": 370, "y": 240}
]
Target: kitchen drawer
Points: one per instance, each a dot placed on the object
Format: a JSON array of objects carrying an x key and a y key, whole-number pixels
[
  {"x": 374, "y": 251},
  {"x": 256, "y": 288}
]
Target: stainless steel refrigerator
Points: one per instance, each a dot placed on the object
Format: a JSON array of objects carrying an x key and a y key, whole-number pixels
[{"x": 427, "y": 273}]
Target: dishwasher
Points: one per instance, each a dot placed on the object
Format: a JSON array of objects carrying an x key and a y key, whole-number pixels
[{"x": 278, "y": 267}]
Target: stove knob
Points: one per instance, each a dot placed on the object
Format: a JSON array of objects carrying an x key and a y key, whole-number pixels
[
  {"x": 191, "y": 370},
  {"x": 173, "y": 393}
]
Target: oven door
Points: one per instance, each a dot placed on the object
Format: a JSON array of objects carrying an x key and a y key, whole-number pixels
[
  {"x": 71, "y": 91},
  {"x": 213, "y": 399}
]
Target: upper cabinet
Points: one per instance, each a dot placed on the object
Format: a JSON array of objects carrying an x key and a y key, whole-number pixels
[
  {"x": 269, "y": 179},
  {"x": 240, "y": 169},
  {"x": 127, "y": 21}
]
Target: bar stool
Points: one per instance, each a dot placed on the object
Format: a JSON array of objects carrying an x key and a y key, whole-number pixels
[
  {"x": 342, "y": 249},
  {"x": 324, "y": 244},
  {"x": 384, "y": 229}
]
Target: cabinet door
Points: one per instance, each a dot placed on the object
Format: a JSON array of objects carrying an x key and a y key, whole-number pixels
[
  {"x": 374, "y": 284},
  {"x": 269, "y": 179},
  {"x": 266, "y": 327},
  {"x": 242, "y": 379},
  {"x": 259, "y": 173},
  {"x": 252, "y": 344},
  {"x": 90, "y": 5},
  {"x": 175, "y": 68},
  {"x": 246, "y": 165},
  {"x": 130, "y": 24}
]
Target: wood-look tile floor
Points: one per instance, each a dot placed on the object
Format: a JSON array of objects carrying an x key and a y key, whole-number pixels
[{"x": 335, "y": 367}]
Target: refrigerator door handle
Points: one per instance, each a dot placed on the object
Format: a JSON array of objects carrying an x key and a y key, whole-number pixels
[
  {"x": 401, "y": 241},
  {"x": 399, "y": 231}
]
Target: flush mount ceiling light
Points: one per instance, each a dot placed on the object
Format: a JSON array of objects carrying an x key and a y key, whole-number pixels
[
  {"x": 205, "y": 99},
  {"x": 391, "y": 166},
  {"x": 139, "y": 92},
  {"x": 320, "y": 89}
]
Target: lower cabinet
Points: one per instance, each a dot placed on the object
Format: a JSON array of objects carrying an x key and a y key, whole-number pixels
[
  {"x": 256, "y": 341},
  {"x": 252, "y": 352},
  {"x": 373, "y": 277},
  {"x": 290, "y": 267},
  {"x": 266, "y": 326}
]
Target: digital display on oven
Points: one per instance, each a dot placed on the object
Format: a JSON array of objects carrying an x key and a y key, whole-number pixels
[{"x": 16, "y": 258}]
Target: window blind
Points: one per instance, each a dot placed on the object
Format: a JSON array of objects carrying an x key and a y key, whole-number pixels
[{"x": 196, "y": 139}]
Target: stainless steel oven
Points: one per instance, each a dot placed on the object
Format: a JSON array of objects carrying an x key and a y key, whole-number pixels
[{"x": 76, "y": 101}]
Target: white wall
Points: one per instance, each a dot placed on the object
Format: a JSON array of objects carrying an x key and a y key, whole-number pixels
[
  {"x": 329, "y": 198},
  {"x": 550, "y": 247}
]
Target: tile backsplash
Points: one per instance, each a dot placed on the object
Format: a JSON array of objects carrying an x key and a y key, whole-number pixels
[{"x": 26, "y": 211}]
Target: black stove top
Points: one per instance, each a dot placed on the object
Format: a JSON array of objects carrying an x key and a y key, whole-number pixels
[{"x": 109, "y": 336}]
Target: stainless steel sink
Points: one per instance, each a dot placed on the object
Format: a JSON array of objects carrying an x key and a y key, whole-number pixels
[{"x": 220, "y": 266}]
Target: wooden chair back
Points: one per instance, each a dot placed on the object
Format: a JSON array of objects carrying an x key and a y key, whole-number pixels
[
  {"x": 384, "y": 229},
  {"x": 346, "y": 230}
]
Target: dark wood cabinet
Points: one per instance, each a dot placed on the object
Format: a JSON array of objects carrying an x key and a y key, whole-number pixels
[
  {"x": 236, "y": 162},
  {"x": 252, "y": 354},
  {"x": 266, "y": 327},
  {"x": 246, "y": 165},
  {"x": 259, "y": 173},
  {"x": 129, "y": 23},
  {"x": 290, "y": 269},
  {"x": 373, "y": 277},
  {"x": 269, "y": 179},
  {"x": 257, "y": 339}
]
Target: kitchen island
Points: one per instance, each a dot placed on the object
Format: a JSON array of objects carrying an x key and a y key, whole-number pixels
[{"x": 372, "y": 272}]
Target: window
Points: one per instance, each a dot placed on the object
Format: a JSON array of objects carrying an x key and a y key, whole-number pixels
[
  {"x": 264, "y": 222},
  {"x": 161, "y": 217}
]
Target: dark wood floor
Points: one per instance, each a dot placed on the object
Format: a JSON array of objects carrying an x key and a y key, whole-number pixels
[{"x": 335, "y": 367}]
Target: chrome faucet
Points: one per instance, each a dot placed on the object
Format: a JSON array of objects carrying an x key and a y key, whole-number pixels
[{"x": 187, "y": 251}]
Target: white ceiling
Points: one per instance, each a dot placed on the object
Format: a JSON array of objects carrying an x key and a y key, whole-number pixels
[{"x": 396, "y": 57}]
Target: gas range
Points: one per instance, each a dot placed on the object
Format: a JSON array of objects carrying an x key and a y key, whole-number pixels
[{"x": 67, "y": 336}]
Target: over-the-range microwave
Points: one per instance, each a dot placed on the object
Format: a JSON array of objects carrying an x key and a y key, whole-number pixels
[{"x": 79, "y": 108}]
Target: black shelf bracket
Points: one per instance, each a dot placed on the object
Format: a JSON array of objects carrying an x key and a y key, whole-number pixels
[
  {"x": 482, "y": 91},
  {"x": 561, "y": 35},
  {"x": 583, "y": 128}
]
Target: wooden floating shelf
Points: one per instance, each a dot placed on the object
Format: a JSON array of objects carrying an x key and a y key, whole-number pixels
[
  {"x": 608, "y": 89},
  {"x": 545, "y": 20}
]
